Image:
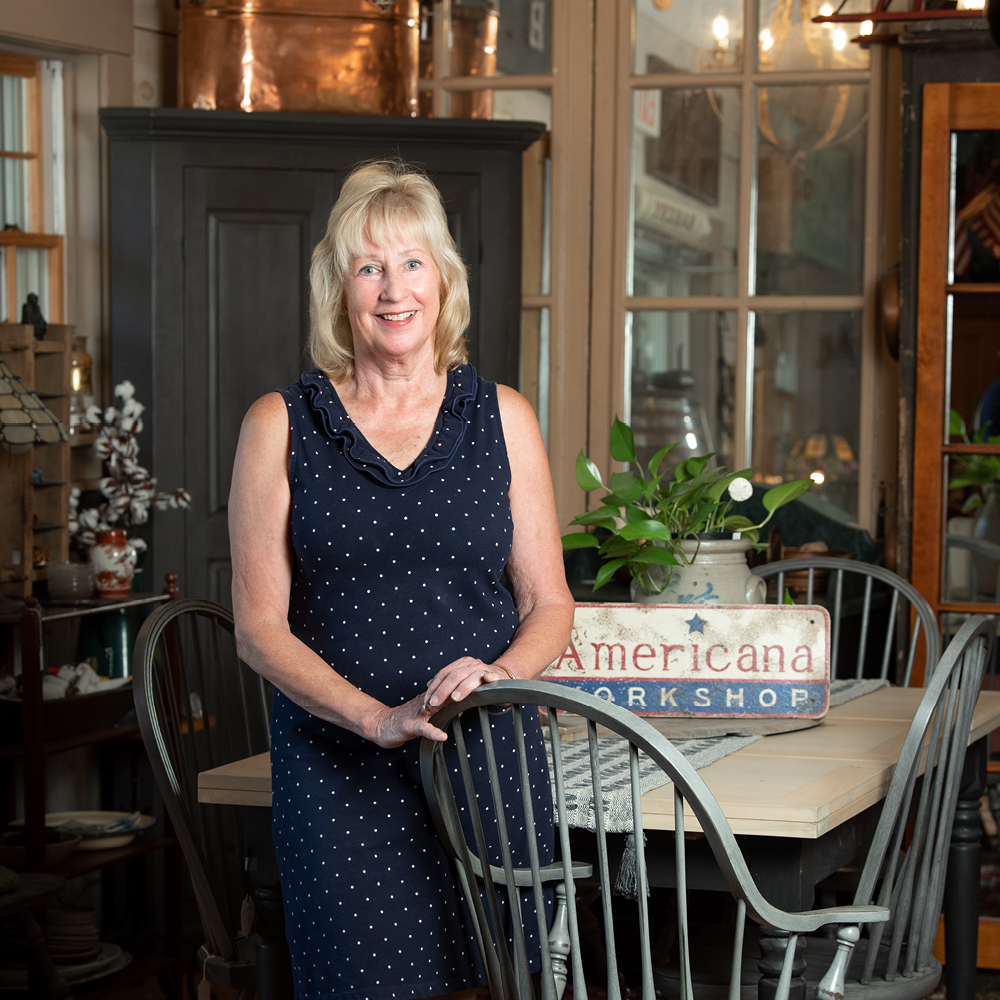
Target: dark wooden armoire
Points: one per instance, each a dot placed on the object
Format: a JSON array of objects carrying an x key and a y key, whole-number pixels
[{"x": 213, "y": 218}]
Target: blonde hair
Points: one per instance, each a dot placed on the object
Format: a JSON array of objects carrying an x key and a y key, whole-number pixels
[{"x": 380, "y": 202}]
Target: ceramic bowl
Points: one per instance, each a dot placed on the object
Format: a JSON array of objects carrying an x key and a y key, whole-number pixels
[{"x": 69, "y": 581}]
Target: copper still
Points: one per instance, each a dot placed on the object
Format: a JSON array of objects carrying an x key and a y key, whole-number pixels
[
  {"x": 346, "y": 56},
  {"x": 473, "y": 53}
]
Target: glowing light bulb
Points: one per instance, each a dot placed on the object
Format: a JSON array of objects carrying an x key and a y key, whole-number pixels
[
  {"x": 818, "y": 478},
  {"x": 826, "y": 10},
  {"x": 488, "y": 49},
  {"x": 867, "y": 27},
  {"x": 410, "y": 22},
  {"x": 840, "y": 39},
  {"x": 691, "y": 441},
  {"x": 971, "y": 4},
  {"x": 720, "y": 28},
  {"x": 766, "y": 40}
]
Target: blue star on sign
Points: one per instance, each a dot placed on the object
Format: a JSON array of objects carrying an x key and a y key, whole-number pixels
[{"x": 696, "y": 624}]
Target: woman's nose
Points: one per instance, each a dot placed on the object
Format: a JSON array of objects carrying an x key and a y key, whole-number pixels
[{"x": 391, "y": 286}]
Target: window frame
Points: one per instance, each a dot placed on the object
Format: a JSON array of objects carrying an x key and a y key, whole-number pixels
[{"x": 612, "y": 305}]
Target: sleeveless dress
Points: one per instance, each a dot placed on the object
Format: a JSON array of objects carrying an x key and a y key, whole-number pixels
[{"x": 396, "y": 573}]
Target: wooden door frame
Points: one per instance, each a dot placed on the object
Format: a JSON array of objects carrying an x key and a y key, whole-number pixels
[{"x": 947, "y": 107}]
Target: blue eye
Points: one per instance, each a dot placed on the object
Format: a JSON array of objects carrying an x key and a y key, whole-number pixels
[
  {"x": 411, "y": 264},
  {"x": 368, "y": 269}
]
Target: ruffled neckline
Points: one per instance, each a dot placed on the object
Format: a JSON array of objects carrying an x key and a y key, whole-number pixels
[{"x": 449, "y": 430}]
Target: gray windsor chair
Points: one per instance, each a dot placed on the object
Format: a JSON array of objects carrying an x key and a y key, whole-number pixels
[
  {"x": 199, "y": 706},
  {"x": 874, "y": 579},
  {"x": 507, "y": 974},
  {"x": 912, "y": 876},
  {"x": 896, "y": 960}
]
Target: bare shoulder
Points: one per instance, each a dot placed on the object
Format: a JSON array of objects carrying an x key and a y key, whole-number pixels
[
  {"x": 515, "y": 411},
  {"x": 266, "y": 422}
]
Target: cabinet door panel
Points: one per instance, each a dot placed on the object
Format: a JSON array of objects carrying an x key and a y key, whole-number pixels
[{"x": 248, "y": 237}]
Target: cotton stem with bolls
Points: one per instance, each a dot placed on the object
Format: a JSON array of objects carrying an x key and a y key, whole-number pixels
[
  {"x": 128, "y": 487},
  {"x": 648, "y": 518}
]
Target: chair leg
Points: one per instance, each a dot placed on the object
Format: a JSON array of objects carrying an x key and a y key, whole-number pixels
[
  {"x": 831, "y": 986},
  {"x": 559, "y": 943}
]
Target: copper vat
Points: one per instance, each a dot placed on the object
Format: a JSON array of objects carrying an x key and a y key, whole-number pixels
[
  {"x": 473, "y": 53},
  {"x": 346, "y": 56}
]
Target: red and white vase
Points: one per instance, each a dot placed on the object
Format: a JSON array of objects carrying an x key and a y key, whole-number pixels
[{"x": 113, "y": 560}]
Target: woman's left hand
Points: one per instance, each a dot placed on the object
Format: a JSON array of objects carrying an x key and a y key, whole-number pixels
[{"x": 459, "y": 679}]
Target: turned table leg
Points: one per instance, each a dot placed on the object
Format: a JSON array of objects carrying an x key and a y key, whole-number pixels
[
  {"x": 961, "y": 892},
  {"x": 773, "y": 945}
]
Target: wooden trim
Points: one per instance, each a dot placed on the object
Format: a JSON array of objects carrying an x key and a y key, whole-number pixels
[
  {"x": 532, "y": 240},
  {"x": 569, "y": 318},
  {"x": 13, "y": 237},
  {"x": 442, "y": 56},
  {"x": 11, "y": 65},
  {"x": 36, "y": 175},
  {"x": 17, "y": 156},
  {"x": 971, "y": 449},
  {"x": 969, "y": 608},
  {"x": 537, "y": 81},
  {"x": 758, "y": 303},
  {"x": 973, "y": 106},
  {"x": 607, "y": 260},
  {"x": 986, "y": 288},
  {"x": 947, "y": 107},
  {"x": 928, "y": 506},
  {"x": 871, "y": 354},
  {"x": 650, "y": 81},
  {"x": 10, "y": 277}
]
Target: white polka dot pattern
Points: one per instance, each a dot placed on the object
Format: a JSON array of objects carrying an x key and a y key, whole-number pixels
[{"x": 397, "y": 573}]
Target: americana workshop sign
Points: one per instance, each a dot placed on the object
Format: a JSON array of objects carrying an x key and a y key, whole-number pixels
[{"x": 691, "y": 660}]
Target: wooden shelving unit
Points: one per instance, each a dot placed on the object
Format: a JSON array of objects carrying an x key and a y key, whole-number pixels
[
  {"x": 44, "y": 366},
  {"x": 49, "y": 727}
]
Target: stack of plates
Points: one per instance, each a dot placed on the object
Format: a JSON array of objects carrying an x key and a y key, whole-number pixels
[
  {"x": 73, "y": 936},
  {"x": 72, "y": 943}
]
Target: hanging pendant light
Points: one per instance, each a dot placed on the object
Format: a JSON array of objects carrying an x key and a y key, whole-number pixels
[{"x": 24, "y": 419}]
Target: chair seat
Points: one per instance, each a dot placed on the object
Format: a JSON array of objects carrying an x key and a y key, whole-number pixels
[{"x": 710, "y": 973}]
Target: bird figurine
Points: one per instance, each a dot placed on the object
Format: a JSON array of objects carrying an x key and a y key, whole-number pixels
[{"x": 31, "y": 315}]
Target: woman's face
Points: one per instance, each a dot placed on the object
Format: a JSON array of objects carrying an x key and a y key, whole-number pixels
[{"x": 393, "y": 298}]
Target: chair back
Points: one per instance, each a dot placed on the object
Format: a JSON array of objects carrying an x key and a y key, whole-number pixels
[
  {"x": 451, "y": 792},
  {"x": 199, "y": 706},
  {"x": 912, "y": 874},
  {"x": 865, "y": 588}
]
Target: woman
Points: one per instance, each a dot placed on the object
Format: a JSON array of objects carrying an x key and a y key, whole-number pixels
[{"x": 374, "y": 505}]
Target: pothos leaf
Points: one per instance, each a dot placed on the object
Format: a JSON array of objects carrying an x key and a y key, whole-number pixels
[
  {"x": 587, "y": 474},
  {"x": 579, "y": 540},
  {"x": 622, "y": 442},
  {"x": 607, "y": 571}
]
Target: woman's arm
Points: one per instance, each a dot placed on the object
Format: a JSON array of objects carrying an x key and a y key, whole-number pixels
[
  {"x": 260, "y": 505},
  {"x": 535, "y": 568}
]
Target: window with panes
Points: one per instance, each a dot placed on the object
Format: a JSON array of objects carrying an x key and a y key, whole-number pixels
[
  {"x": 32, "y": 185},
  {"x": 744, "y": 307}
]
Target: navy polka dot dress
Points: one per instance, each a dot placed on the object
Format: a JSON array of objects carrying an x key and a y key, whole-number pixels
[{"x": 396, "y": 574}]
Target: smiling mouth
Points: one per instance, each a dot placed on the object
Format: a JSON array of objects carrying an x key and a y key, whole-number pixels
[{"x": 397, "y": 317}]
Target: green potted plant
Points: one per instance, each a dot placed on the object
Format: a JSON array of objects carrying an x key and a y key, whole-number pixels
[{"x": 662, "y": 527}]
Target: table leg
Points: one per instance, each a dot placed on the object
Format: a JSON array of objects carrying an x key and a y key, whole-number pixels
[
  {"x": 961, "y": 893},
  {"x": 773, "y": 945},
  {"x": 274, "y": 962}
]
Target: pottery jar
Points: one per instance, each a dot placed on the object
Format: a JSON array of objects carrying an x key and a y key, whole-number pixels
[
  {"x": 113, "y": 560},
  {"x": 719, "y": 575}
]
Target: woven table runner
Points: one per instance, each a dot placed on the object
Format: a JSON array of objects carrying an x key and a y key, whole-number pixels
[{"x": 616, "y": 784}]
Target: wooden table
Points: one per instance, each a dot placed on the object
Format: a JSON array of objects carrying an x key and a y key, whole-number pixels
[{"x": 800, "y": 803}]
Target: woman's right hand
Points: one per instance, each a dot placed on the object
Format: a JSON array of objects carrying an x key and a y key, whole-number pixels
[{"x": 392, "y": 727}]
